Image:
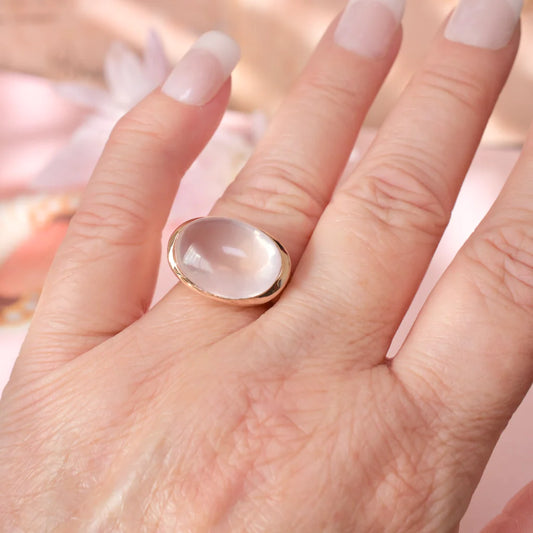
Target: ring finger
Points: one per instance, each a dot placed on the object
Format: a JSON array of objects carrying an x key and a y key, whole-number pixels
[{"x": 285, "y": 186}]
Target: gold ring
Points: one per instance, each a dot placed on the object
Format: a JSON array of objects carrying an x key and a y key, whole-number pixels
[{"x": 229, "y": 260}]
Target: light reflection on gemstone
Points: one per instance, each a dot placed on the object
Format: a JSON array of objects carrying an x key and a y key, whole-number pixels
[
  {"x": 227, "y": 258},
  {"x": 230, "y": 250},
  {"x": 193, "y": 259}
]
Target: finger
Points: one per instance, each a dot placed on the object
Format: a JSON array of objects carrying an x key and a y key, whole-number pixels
[
  {"x": 471, "y": 347},
  {"x": 517, "y": 517},
  {"x": 286, "y": 184},
  {"x": 376, "y": 238},
  {"x": 103, "y": 276}
]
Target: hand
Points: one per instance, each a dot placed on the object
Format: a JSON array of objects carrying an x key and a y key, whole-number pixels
[{"x": 196, "y": 416}]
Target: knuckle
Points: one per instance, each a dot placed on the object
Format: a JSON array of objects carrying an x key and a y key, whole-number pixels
[
  {"x": 445, "y": 82},
  {"x": 323, "y": 92},
  {"x": 280, "y": 188},
  {"x": 403, "y": 193},
  {"x": 502, "y": 263},
  {"x": 134, "y": 127},
  {"x": 113, "y": 217},
  {"x": 135, "y": 135}
]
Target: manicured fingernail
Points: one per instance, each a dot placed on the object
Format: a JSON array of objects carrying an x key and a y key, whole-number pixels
[
  {"x": 202, "y": 71},
  {"x": 367, "y": 26},
  {"x": 484, "y": 23}
]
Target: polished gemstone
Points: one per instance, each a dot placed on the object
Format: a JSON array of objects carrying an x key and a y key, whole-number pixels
[{"x": 227, "y": 258}]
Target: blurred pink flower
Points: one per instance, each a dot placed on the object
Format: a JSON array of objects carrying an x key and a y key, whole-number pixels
[{"x": 129, "y": 78}]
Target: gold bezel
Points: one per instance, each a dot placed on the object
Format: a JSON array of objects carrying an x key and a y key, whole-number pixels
[{"x": 267, "y": 296}]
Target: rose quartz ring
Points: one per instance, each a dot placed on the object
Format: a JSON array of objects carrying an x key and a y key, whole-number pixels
[{"x": 229, "y": 260}]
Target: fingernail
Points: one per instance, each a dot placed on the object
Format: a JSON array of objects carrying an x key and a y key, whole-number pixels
[
  {"x": 202, "y": 71},
  {"x": 367, "y": 26},
  {"x": 484, "y": 23}
]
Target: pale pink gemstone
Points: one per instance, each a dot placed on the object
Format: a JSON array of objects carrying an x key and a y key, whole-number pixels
[{"x": 227, "y": 257}]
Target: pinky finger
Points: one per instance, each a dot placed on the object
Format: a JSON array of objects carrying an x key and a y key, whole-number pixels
[
  {"x": 517, "y": 517},
  {"x": 468, "y": 360},
  {"x": 473, "y": 339}
]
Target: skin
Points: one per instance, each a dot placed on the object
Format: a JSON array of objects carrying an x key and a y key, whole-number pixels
[{"x": 196, "y": 416}]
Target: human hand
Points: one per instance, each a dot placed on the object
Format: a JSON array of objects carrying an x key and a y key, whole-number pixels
[{"x": 196, "y": 416}]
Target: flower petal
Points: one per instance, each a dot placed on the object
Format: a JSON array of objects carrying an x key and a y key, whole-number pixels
[
  {"x": 156, "y": 64},
  {"x": 73, "y": 165},
  {"x": 215, "y": 168},
  {"x": 85, "y": 96},
  {"x": 125, "y": 76}
]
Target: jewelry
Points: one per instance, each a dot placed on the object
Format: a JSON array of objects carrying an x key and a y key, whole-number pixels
[{"x": 229, "y": 260}]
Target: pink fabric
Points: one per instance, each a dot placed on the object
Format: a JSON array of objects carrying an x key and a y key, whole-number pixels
[{"x": 36, "y": 123}]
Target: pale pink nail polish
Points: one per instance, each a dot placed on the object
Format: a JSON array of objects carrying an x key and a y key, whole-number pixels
[
  {"x": 202, "y": 71},
  {"x": 367, "y": 26},
  {"x": 484, "y": 23}
]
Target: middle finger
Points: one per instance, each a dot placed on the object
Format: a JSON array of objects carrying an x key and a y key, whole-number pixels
[
  {"x": 285, "y": 186},
  {"x": 373, "y": 244}
]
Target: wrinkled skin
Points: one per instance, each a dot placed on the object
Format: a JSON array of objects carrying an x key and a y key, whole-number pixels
[{"x": 196, "y": 416}]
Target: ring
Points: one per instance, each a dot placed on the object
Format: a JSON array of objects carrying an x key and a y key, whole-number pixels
[{"x": 229, "y": 260}]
